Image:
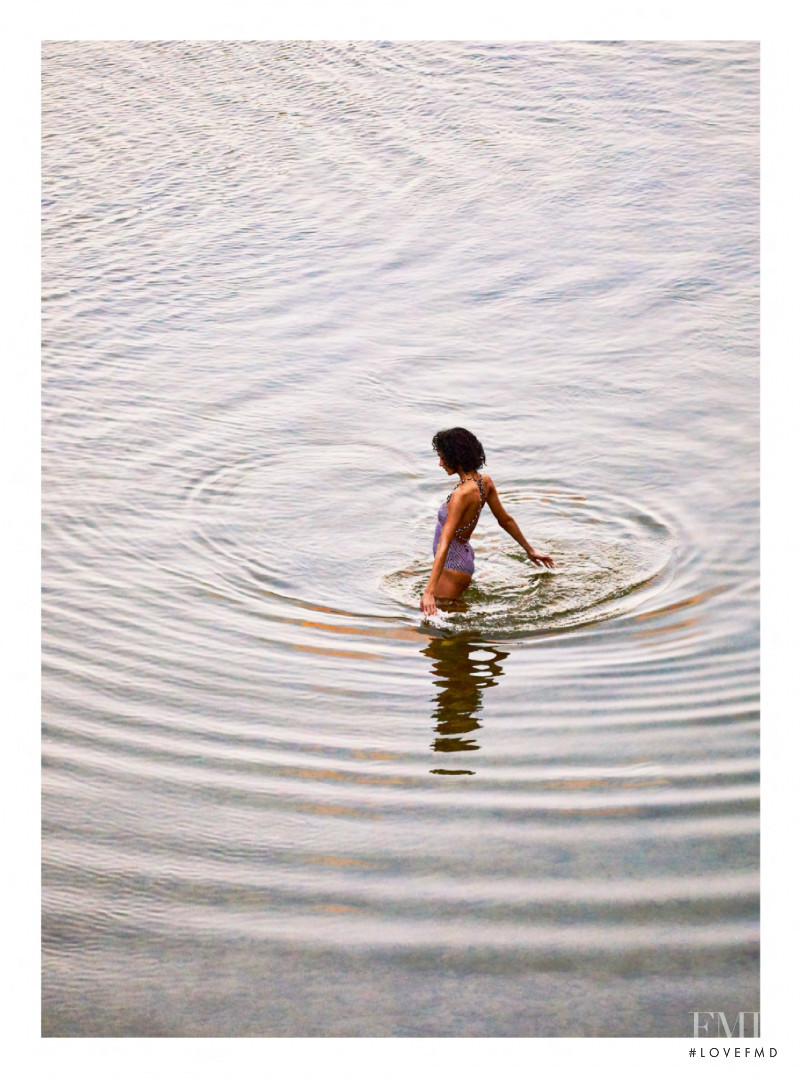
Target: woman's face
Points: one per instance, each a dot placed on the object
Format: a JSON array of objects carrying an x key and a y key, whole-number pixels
[{"x": 443, "y": 464}]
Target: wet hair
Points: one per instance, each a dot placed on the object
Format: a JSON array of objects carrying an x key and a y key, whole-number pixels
[{"x": 459, "y": 448}]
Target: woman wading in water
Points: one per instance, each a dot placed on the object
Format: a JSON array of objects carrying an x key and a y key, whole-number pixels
[{"x": 461, "y": 453}]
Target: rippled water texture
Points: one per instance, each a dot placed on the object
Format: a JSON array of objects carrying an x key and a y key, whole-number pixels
[{"x": 276, "y": 800}]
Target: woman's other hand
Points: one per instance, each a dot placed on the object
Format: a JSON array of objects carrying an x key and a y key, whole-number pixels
[
  {"x": 427, "y": 603},
  {"x": 540, "y": 559}
]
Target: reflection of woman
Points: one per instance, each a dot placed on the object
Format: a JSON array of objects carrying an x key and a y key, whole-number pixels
[
  {"x": 463, "y": 667},
  {"x": 454, "y": 561}
]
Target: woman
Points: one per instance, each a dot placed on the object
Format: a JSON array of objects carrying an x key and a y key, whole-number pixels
[{"x": 454, "y": 562}]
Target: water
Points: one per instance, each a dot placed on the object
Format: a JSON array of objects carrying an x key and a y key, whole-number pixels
[{"x": 276, "y": 800}]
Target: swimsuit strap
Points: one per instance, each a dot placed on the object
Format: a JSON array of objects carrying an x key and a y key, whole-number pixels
[
  {"x": 466, "y": 527},
  {"x": 469, "y": 479}
]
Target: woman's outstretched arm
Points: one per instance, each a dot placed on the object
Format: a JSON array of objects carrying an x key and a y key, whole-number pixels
[{"x": 507, "y": 523}]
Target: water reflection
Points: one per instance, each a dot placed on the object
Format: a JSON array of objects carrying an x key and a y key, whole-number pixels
[{"x": 463, "y": 666}]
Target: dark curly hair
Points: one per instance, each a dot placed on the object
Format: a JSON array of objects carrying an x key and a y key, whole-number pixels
[{"x": 459, "y": 448}]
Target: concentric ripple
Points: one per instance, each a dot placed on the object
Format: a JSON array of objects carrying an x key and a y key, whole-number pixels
[{"x": 606, "y": 554}]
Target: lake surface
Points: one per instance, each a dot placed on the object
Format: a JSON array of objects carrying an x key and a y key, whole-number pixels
[{"x": 276, "y": 800}]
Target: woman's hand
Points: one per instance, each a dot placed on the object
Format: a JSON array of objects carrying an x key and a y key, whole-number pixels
[
  {"x": 427, "y": 603},
  {"x": 540, "y": 559}
]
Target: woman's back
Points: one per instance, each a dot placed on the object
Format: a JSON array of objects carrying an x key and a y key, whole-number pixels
[{"x": 470, "y": 503}]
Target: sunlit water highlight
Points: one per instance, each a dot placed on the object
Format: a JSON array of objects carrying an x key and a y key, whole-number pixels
[{"x": 276, "y": 800}]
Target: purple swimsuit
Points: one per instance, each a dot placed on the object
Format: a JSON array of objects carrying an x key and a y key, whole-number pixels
[{"x": 460, "y": 556}]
